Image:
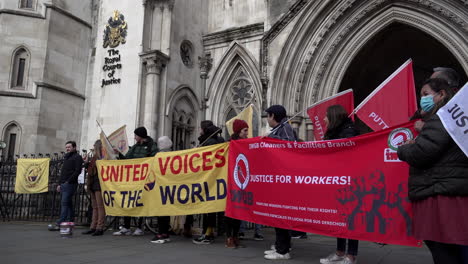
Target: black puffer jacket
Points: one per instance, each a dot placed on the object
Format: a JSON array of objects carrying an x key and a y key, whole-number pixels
[
  {"x": 345, "y": 130},
  {"x": 437, "y": 165},
  {"x": 211, "y": 136},
  {"x": 71, "y": 167}
]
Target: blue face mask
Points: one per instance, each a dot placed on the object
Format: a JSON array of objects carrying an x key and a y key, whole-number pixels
[{"x": 427, "y": 103}]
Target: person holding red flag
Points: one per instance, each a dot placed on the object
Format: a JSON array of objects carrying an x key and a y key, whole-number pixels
[
  {"x": 339, "y": 125},
  {"x": 438, "y": 181}
]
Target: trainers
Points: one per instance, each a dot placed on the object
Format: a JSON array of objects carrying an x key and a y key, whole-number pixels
[
  {"x": 347, "y": 260},
  {"x": 241, "y": 235},
  {"x": 303, "y": 236},
  {"x": 277, "y": 255},
  {"x": 258, "y": 237},
  {"x": 138, "y": 232},
  {"x": 122, "y": 232},
  {"x": 160, "y": 239},
  {"x": 332, "y": 258},
  {"x": 203, "y": 240},
  {"x": 272, "y": 250},
  {"x": 53, "y": 227}
]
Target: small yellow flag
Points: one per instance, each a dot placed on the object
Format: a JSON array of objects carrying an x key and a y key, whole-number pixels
[
  {"x": 32, "y": 175},
  {"x": 247, "y": 116}
]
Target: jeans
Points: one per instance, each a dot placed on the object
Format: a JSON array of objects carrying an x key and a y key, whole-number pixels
[
  {"x": 66, "y": 211},
  {"x": 258, "y": 227}
]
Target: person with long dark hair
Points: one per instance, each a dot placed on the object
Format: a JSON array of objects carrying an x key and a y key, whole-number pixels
[
  {"x": 339, "y": 125},
  {"x": 438, "y": 181},
  {"x": 94, "y": 189}
]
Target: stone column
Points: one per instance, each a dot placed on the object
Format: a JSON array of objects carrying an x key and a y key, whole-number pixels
[
  {"x": 154, "y": 62},
  {"x": 205, "y": 63}
]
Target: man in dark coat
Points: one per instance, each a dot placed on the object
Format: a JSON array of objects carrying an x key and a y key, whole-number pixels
[
  {"x": 70, "y": 171},
  {"x": 144, "y": 147},
  {"x": 281, "y": 129},
  {"x": 209, "y": 135}
]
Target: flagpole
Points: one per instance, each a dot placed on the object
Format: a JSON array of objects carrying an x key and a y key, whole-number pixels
[
  {"x": 102, "y": 130},
  {"x": 277, "y": 127},
  {"x": 216, "y": 132}
]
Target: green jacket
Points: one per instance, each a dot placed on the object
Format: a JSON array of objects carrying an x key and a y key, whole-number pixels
[{"x": 148, "y": 148}]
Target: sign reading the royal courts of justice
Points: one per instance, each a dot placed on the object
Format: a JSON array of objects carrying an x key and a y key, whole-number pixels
[{"x": 115, "y": 33}]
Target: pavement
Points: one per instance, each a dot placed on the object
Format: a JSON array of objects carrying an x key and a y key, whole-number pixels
[{"x": 32, "y": 243}]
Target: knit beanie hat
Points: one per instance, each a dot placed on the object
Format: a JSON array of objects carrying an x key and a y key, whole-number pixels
[
  {"x": 206, "y": 123},
  {"x": 238, "y": 125},
  {"x": 141, "y": 132}
]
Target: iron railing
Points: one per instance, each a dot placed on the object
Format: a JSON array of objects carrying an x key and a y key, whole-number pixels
[{"x": 44, "y": 207}]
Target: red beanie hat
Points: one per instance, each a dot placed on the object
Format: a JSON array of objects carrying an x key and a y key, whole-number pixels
[{"x": 238, "y": 125}]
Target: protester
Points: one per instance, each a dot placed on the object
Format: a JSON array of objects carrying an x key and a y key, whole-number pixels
[
  {"x": 241, "y": 131},
  {"x": 209, "y": 135},
  {"x": 277, "y": 120},
  {"x": 165, "y": 145},
  {"x": 453, "y": 80},
  {"x": 339, "y": 125},
  {"x": 449, "y": 75},
  {"x": 70, "y": 171},
  {"x": 94, "y": 189},
  {"x": 144, "y": 147},
  {"x": 438, "y": 182}
]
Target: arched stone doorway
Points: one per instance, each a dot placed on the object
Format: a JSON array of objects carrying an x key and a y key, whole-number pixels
[
  {"x": 329, "y": 36},
  {"x": 387, "y": 51}
]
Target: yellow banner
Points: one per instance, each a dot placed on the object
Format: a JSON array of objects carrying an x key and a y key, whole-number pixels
[
  {"x": 32, "y": 175},
  {"x": 247, "y": 116},
  {"x": 171, "y": 183}
]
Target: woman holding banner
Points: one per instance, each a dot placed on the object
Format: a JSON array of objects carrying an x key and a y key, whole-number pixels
[
  {"x": 241, "y": 131},
  {"x": 438, "y": 181},
  {"x": 339, "y": 125},
  {"x": 94, "y": 189}
]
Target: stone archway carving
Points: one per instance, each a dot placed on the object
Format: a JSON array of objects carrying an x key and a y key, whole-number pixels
[
  {"x": 330, "y": 34},
  {"x": 182, "y": 112},
  {"x": 236, "y": 84}
]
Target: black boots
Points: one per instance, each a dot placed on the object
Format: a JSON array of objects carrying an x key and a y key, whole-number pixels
[
  {"x": 98, "y": 232},
  {"x": 89, "y": 232}
]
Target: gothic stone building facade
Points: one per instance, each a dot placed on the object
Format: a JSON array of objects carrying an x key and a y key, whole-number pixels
[{"x": 168, "y": 64}]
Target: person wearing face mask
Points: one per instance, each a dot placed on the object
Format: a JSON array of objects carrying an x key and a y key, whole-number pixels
[{"x": 438, "y": 181}]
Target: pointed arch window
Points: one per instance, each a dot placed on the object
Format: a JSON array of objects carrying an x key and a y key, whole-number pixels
[
  {"x": 20, "y": 69},
  {"x": 11, "y": 137},
  {"x": 27, "y": 4}
]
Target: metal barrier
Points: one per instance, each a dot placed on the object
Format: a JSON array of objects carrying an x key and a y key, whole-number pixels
[
  {"x": 45, "y": 207},
  {"x": 37, "y": 207}
]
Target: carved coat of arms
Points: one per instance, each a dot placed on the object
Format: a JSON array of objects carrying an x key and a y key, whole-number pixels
[{"x": 115, "y": 31}]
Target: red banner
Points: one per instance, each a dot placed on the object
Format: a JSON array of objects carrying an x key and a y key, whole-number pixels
[
  {"x": 392, "y": 103},
  {"x": 318, "y": 111},
  {"x": 352, "y": 188}
]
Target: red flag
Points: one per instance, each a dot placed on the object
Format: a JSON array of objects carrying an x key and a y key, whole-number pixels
[
  {"x": 318, "y": 110},
  {"x": 393, "y": 102}
]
